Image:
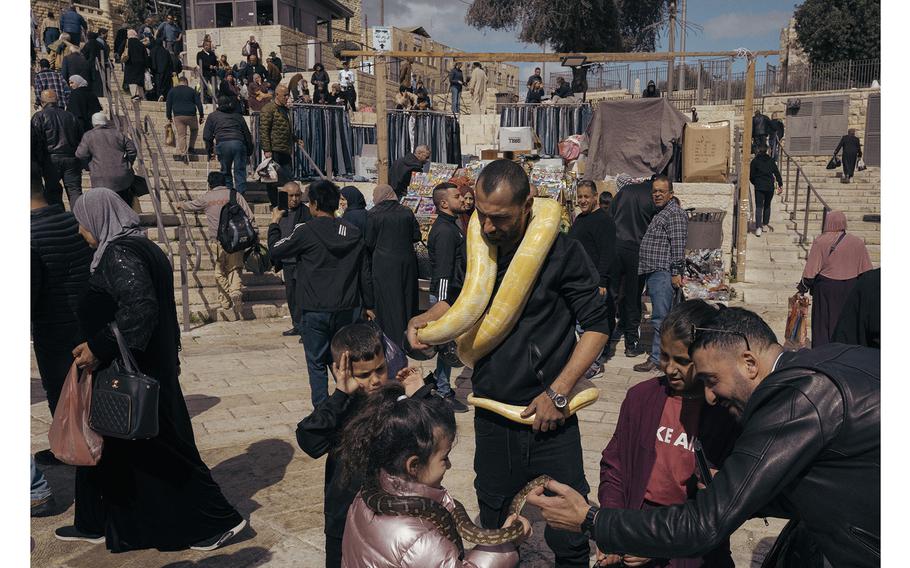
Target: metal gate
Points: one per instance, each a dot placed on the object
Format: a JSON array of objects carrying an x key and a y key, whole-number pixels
[
  {"x": 817, "y": 126},
  {"x": 872, "y": 147}
]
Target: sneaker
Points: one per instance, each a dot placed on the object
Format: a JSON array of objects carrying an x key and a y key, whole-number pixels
[
  {"x": 218, "y": 541},
  {"x": 633, "y": 349},
  {"x": 758, "y": 231},
  {"x": 43, "y": 507},
  {"x": 594, "y": 372},
  {"x": 454, "y": 403},
  {"x": 46, "y": 457},
  {"x": 290, "y": 332},
  {"x": 646, "y": 367},
  {"x": 71, "y": 533}
]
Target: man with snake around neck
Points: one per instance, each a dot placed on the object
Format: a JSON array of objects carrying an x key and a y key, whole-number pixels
[{"x": 535, "y": 360}]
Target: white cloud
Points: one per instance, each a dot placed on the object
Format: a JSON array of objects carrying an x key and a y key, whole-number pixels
[{"x": 745, "y": 24}]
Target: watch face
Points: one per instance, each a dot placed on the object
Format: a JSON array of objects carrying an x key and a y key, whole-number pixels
[{"x": 560, "y": 401}]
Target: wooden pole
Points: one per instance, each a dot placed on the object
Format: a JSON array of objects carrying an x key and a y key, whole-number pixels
[
  {"x": 671, "y": 48},
  {"x": 382, "y": 125},
  {"x": 531, "y": 57},
  {"x": 743, "y": 218}
]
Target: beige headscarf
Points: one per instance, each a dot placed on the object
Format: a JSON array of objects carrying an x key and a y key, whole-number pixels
[{"x": 383, "y": 192}]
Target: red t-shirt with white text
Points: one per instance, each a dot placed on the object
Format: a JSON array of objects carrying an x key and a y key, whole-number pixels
[{"x": 675, "y": 464}]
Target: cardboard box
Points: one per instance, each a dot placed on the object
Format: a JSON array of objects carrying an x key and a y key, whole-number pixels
[
  {"x": 365, "y": 166},
  {"x": 489, "y": 154},
  {"x": 706, "y": 152},
  {"x": 513, "y": 138}
]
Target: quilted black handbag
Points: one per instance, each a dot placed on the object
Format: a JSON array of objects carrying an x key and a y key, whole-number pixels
[{"x": 124, "y": 401}]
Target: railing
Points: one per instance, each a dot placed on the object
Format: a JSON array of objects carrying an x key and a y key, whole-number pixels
[
  {"x": 792, "y": 190},
  {"x": 132, "y": 130},
  {"x": 210, "y": 87}
]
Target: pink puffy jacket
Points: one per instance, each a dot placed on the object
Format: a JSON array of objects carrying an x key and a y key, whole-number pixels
[{"x": 372, "y": 540}]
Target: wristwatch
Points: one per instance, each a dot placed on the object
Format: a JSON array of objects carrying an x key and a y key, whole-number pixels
[
  {"x": 559, "y": 400},
  {"x": 587, "y": 525}
]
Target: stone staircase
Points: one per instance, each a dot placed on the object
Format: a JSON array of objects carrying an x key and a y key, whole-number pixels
[
  {"x": 263, "y": 295},
  {"x": 775, "y": 261}
]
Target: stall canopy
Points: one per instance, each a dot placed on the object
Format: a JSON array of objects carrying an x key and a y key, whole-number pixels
[{"x": 633, "y": 137}]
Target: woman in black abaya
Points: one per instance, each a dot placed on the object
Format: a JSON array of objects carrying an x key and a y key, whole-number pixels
[
  {"x": 391, "y": 232},
  {"x": 155, "y": 493}
]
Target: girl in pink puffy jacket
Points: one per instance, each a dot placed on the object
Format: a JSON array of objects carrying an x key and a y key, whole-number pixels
[{"x": 406, "y": 443}]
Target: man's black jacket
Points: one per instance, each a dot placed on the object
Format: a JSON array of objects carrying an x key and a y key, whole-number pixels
[
  {"x": 333, "y": 270},
  {"x": 446, "y": 245},
  {"x": 58, "y": 130},
  {"x": 596, "y": 232},
  {"x": 809, "y": 450},
  {"x": 632, "y": 210}
]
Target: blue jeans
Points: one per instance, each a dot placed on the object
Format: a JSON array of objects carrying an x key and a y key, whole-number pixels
[
  {"x": 232, "y": 155},
  {"x": 443, "y": 371},
  {"x": 40, "y": 487},
  {"x": 456, "y": 99},
  {"x": 660, "y": 290},
  {"x": 318, "y": 330}
]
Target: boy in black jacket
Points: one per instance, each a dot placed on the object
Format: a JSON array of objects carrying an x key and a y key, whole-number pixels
[
  {"x": 596, "y": 232},
  {"x": 360, "y": 369},
  {"x": 333, "y": 277}
]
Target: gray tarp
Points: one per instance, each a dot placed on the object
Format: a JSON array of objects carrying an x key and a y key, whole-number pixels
[{"x": 633, "y": 136}]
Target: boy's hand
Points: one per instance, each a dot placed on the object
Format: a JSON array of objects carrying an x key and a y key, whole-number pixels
[
  {"x": 410, "y": 379},
  {"x": 344, "y": 374}
]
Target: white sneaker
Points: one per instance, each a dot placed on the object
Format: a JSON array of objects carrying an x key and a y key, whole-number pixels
[{"x": 758, "y": 232}]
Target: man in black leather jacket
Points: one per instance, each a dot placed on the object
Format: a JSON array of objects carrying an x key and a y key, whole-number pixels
[
  {"x": 809, "y": 450},
  {"x": 59, "y": 133}
]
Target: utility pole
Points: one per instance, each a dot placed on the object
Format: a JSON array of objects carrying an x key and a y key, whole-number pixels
[
  {"x": 672, "y": 40},
  {"x": 742, "y": 224},
  {"x": 381, "y": 12},
  {"x": 682, "y": 45}
]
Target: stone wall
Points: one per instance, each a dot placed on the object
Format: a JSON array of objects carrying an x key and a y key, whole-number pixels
[
  {"x": 230, "y": 41},
  {"x": 95, "y": 17}
]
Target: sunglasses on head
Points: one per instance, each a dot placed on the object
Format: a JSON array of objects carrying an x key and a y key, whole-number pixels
[{"x": 696, "y": 330}]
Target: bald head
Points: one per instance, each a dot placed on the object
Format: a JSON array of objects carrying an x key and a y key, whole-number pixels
[{"x": 48, "y": 97}]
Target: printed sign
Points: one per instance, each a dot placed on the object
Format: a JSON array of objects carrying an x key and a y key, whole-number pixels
[{"x": 382, "y": 38}]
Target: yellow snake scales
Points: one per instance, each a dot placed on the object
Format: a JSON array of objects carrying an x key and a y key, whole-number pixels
[{"x": 456, "y": 526}]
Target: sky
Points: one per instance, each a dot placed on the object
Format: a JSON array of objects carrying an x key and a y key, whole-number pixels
[{"x": 728, "y": 24}]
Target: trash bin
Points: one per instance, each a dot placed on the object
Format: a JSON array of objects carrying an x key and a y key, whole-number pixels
[{"x": 705, "y": 228}]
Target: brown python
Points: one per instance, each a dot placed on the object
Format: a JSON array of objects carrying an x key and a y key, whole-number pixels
[{"x": 455, "y": 526}]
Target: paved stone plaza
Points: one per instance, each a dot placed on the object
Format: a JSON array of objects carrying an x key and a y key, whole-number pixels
[{"x": 246, "y": 388}]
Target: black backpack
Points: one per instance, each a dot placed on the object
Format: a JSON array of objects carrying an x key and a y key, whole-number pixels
[{"x": 235, "y": 229}]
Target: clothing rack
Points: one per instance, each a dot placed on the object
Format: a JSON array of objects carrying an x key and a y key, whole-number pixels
[
  {"x": 552, "y": 123},
  {"x": 439, "y": 131}
]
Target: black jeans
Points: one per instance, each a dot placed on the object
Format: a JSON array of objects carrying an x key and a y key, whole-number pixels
[
  {"x": 285, "y": 174},
  {"x": 67, "y": 169},
  {"x": 508, "y": 455},
  {"x": 54, "y": 344},
  {"x": 350, "y": 97},
  {"x": 332, "y": 552},
  {"x": 627, "y": 289},
  {"x": 763, "y": 207},
  {"x": 290, "y": 292}
]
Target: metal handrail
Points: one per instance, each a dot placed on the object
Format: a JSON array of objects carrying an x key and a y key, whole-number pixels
[
  {"x": 810, "y": 191},
  {"x": 211, "y": 87},
  {"x": 132, "y": 130},
  {"x": 171, "y": 191}
]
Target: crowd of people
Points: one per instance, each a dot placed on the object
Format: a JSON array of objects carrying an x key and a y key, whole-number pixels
[
  {"x": 352, "y": 288},
  {"x": 743, "y": 428}
]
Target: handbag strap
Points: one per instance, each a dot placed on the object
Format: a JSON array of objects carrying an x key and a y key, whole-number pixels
[
  {"x": 837, "y": 242},
  {"x": 125, "y": 355}
]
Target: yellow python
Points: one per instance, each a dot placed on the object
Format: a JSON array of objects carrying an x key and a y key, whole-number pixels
[{"x": 479, "y": 326}]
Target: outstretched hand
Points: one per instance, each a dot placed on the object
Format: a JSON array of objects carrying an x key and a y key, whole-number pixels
[
  {"x": 526, "y": 532},
  {"x": 410, "y": 379},
  {"x": 565, "y": 510}
]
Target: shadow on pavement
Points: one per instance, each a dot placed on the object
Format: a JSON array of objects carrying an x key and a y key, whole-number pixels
[
  {"x": 262, "y": 465},
  {"x": 245, "y": 558},
  {"x": 196, "y": 404},
  {"x": 761, "y": 550}
]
